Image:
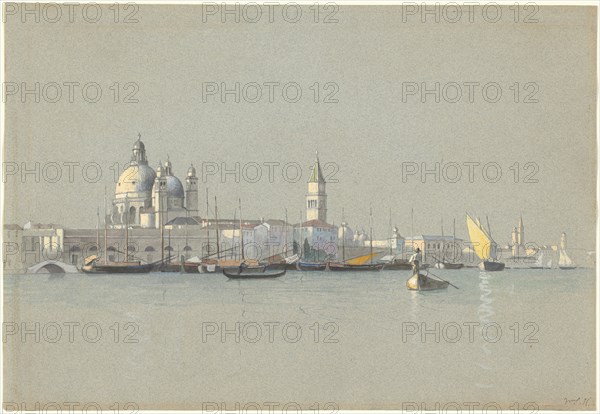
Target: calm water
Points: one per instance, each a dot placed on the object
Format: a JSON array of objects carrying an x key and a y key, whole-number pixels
[{"x": 353, "y": 339}]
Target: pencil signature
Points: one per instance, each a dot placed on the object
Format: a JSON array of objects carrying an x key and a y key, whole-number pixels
[{"x": 579, "y": 401}]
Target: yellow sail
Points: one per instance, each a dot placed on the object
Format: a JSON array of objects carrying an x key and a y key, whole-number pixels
[
  {"x": 361, "y": 259},
  {"x": 482, "y": 243}
]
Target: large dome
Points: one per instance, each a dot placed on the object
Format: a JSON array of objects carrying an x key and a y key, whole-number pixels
[
  {"x": 174, "y": 187},
  {"x": 137, "y": 178}
]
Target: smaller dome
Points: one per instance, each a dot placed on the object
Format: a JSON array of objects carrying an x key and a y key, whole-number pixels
[
  {"x": 191, "y": 171},
  {"x": 174, "y": 187},
  {"x": 139, "y": 145},
  {"x": 160, "y": 171}
]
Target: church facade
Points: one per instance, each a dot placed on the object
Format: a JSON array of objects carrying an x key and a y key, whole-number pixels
[{"x": 148, "y": 198}]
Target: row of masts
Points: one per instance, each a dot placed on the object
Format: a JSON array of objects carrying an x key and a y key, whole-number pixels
[{"x": 241, "y": 231}]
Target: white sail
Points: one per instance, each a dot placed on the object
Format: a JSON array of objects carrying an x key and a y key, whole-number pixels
[{"x": 564, "y": 259}]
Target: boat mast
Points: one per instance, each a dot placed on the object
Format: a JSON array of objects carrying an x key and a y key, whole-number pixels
[
  {"x": 390, "y": 231},
  {"x": 285, "y": 244},
  {"x": 126, "y": 228},
  {"x": 105, "y": 231},
  {"x": 207, "y": 225},
  {"x": 162, "y": 231},
  {"x": 217, "y": 230},
  {"x": 412, "y": 233},
  {"x": 454, "y": 238},
  {"x": 491, "y": 241},
  {"x": 233, "y": 250},
  {"x": 300, "y": 241},
  {"x": 98, "y": 231},
  {"x": 443, "y": 243},
  {"x": 170, "y": 250},
  {"x": 343, "y": 237},
  {"x": 187, "y": 217},
  {"x": 241, "y": 232},
  {"x": 371, "y": 233}
]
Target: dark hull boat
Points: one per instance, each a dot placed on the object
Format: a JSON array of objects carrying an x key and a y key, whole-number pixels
[
  {"x": 423, "y": 283},
  {"x": 281, "y": 266},
  {"x": 490, "y": 266},
  {"x": 169, "y": 267},
  {"x": 190, "y": 267},
  {"x": 342, "y": 267},
  {"x": 252, "y": 274},
  {"x": 311, "y": 267},
  {"x": 123, "y": 267},
  {"x": 567, "y": 267}
]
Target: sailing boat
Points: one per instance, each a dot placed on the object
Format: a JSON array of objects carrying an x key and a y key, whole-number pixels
[
  {"x": 92, "y": 265},
  {"x": 564, "y": 261},
  {"x": 483, "y": 245},
  {"x": 359, "y": 263},
  {"x": 443, "y": 264}
]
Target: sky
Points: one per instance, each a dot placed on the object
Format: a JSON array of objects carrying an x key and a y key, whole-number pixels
[{"x": 361, "y": 107}]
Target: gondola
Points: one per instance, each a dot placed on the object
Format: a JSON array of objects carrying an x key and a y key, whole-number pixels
[
  {"x": 421, "y": 282},
  {"x": 242, "y": 273}
]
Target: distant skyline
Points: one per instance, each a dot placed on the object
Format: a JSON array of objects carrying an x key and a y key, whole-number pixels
[{"x": 170, "y": 54}]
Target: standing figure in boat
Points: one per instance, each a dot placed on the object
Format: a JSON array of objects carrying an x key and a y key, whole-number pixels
[{"x": 419, "y": 281}]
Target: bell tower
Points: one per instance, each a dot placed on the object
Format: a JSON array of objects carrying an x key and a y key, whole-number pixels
[
  {"x": 191, "y": 191},
  {"x": 316, "y": 198}
]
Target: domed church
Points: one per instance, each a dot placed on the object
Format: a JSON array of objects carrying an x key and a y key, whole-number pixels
[{"x": 148, "y": 198}]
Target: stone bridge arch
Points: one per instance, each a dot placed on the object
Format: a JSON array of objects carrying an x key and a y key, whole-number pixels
[{"x": 52, "y": 266}]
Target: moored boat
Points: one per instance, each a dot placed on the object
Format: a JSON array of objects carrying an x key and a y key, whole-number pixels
[
  {"x": 340, "y": 267},
  {"x": 93, "y": 266},
  {"x": 242, "y": 273},
  {"x": 308, "y": 266},
  {"x": 491, "y": 266}
]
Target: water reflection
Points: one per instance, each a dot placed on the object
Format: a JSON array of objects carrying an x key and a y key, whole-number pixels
[{"x": 485, "y": 311}]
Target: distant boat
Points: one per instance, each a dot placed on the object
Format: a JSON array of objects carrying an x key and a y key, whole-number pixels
[
  {"x": 448, "y": 265},
  {"x": 213, "y": 266},
  {"x": 564, "y": 261},
  {"x": 484, "y": 246},
  {"x": 400, "y": 264},
  {"x": 336, "y": 267},
  {"x": 539, "y": 263},
  {"x": 308, "y": 266},
  {"x": 358, "y": 263},
  {"x": 242, "y": 273}
]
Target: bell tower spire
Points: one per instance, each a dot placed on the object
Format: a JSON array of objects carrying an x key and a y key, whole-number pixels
[{"x": 316, "y": 198}]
